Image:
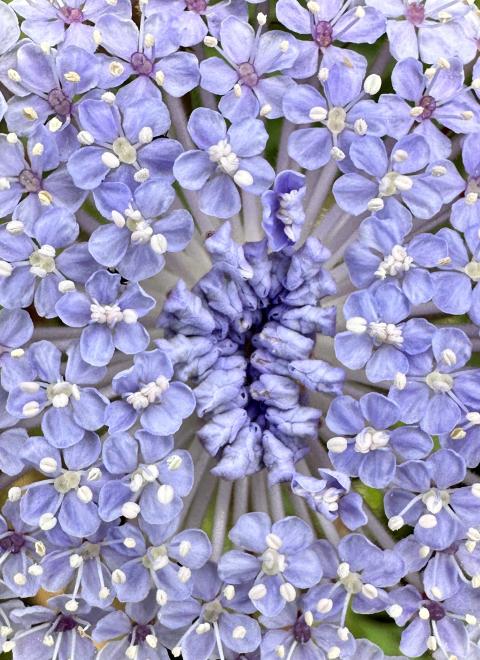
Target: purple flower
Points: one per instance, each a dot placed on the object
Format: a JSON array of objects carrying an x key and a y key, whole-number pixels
[
  {"x": 356, "y": 573},
  {"x": 436, "y": 392},
  {"x": 50, "y": 82},
  {"x": 72, "y": 23},
  {"x": 377, "y": 335},
  {"x": 326, "y": 23},
  {"x": 381, "y": 254},
  {"x": 224, "y": 160},
  {"x": 405, "y": 177},
  {"x": 434, "y": 623},
  {"x": 148, "y": 392},
  {"x": 36, "y": 383},
  {"x": 371, "y": 450},
  {"x": 109, "y": 314},
  {"x": 147, "y": 54},
  {"x": 423, "y": 497},
  {"x": 241, "y": 76},
  {"x": 273, "y": 560},
  {"x": 25, "y": 190},
  {"x": 331, "y": 497},
  {"x": 121, "y": 143},
  {"x": 422, "y": 100},
  {"x": 52, "y": 632},
  {"x": 215, "y": 617},
  {"x": 465, "y": 211},
  {"x": 143, "y": 228},
  {"x": 343, "y": 113},
  {"x": 432, "y": 29},
  {"x": 283, "y": 212},
  {"x": 148, "y": 480},
  {"x": 291, "y": 633}
]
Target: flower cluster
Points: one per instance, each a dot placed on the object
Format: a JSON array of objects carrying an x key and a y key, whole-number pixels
[{"x": 239, "y": 329}]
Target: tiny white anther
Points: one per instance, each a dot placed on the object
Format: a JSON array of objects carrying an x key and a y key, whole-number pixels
[
  {"x": 243, "y": 178},
  {"x": 48, "y": 464},
  {"x": 239, "y": 632},
  {"x": 116, "y": 68},
  {"x": 165, "y": 494},
  {"x": 229, "y": 592},
  {"x": 110, "y": 160},
  {"x": 400, "y": 381},
  {"x": 439, "y": 170},
  {"x": 357, "y": 325},
  {"x": 360, "y": 127},
  {"x": 273, "y": 541},
  {"x": 395, "y": 523},
  {"x": 130, "y": 510},
  {"x": 265, "y": 110},
  {"x": 261, "y": 18},
  {"x": 395, "y": 610},
  {"x": 424, "y": 551},
  {"x": 449, "y": 357},
  {"x": 47, "y": 521},
  {"x": 84, "y": 494},
  {"x": 417, "y": 111},
  {"x": 8, "y": 645},
  {"x": 66, "y": 286},
  {"x": 14, "y": 227},
  {"x": 369, "y": 591},
  {"x": 431, "y": 643},
  {"x": 149, "y": 40},
  {"x": 6, "y": 269},
  {"x": 372, "y": 84},
  {"x": 177, "y": 651},
  {"x": 159, "y": 243},
  {"x": 161, "y": 597},
  {"x": 467, "y": 115},
  {"x": 280, "y": 651},
  {"x": 71, "y": 605},
  {"x": 427, "y": 521},
  {"x": 237, "y": 90},
  {"x": 476, "y": 490},
  {"x": 360, "y": 12},
  {"x": 17, "y": 353},
  {"x": 284, "y": 46},
  {"x": 72, "y": 76},
  {"x": 14, "y": 494},
  {"x": 210, "y": 41},
  {"x": 471, "y": 198},
  {"x": 48, "y": 640},
  {"x": 129, "y": 542},
  {"x": 75, "y": 560},
  {"x": 313, "y": 7},
  {"x": 118, "y": 576},
  {"x": 323, "y": 74},
  {"x": 184, "y": 574},
  {"x": 317, "y": 113},
  {"x": 97, "y": 37},
  {"x": 424, "y": 614},
  {"x": 343, "y": 634},
  {"x": 159, "y": 77},
  {"x": 308, "y": 617},
  {"x": 152, "y": 641},
  {"x": 337, "y": 445},
  {"x": 443, "y": 63},
  {"x": 38, "y": 149},
  {"x": 257, "y": 592},
  {"x": 287, "y": 592},
  {"x": 14, "y": 75},
  {"x": 375, "y": 204},
  {"x": 476, "y": 581},
  {"x": 343, "y": 570},
  {"x": 118, "y": 219},
  {"x": 324, "y": 605},
  {"x": 333, "y": 653},
  {"x": 85, "y": 138},
  {"x": 130, "y": 316},
  {"x": 437, "y": 592},
  {"x": 202, "y": 628},
  {"x": 142, "y": 175},
  {"x": 471, "y": 619},
  {"x": 40, "y": 548},
  {"x": 30, "y": 409},
  {"x": 44, "y": 197},
  {"x": 30, "y": 113},
  {"x": 20, "y": 579},
  {"x": 108, "y": 97},
  {"x": 337, "y": 154},
  {"x": 145, "y": 135}
]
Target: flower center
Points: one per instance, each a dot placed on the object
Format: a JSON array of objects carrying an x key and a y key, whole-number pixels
[
  {"x": 415, "y": 13},
  {"x": 125, "y": 151},
  {"x": 472, "y": 269},
  {"x": 59, "y": 102},
  {"x": 12, "y": 543},
  {"x": 435, "y": 500},
  {"x": 385, "y": 333},
  {"x": 71, "y": 14},
  {"x": 30, "y": 181},
  {"x": 273, "y": 562},
  {"x": 336, "y": 120},
  {"x": 395, "y": 263},
  {"x": 64, "y": 624},
  {"x": 323, "y": 34},
  {"x": 429, "y": 105},
  {"x": 141, "y": 632},
  {"x": 196, "y": 5},
  {"x": 439, "y": 382},
  {"x": 212, "y": 611},
  {"x": 222, "y": 154},
  {"x": 393, "y": 182},
  {"x": 59, "y": 393},
  {"x": 141, "y": 64},
  {"x": 109, "y": 314},
  {"x": 352, "y": 583},
  {"x": 42, "y": 261},
  {"x": 247, "y": 74},
  {"x": 67, "y": 481},
  {"x": 436, "y": 611},
  {"x": 148, "y": 394},
  {"x": 370, "y": 439},
  {"x": 301, "y": 631}
]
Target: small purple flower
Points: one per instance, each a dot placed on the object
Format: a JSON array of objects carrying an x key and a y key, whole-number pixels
[
  {"x": 423, "y": 497},
  {"x": 51, "y": 632},
  {"x": 215, "y": 617},
  {"x": 241, "y": 75},
  {"x": 381, "y": 254},
  {"x": 148, "y": 392},
  {"x": 36, "y": 383},
  {"x": 356, "y": 573},
  {"x": 224, "y": 160},
  {"x": 405, "y": 177},
  {"x": 432, "y": 29},
  {"x": 283, "y": 210},
  {"x": 273, "y": 560},
  {"x": 109, "y": 314},
  {"x": 122, "y": 142},
  {"x": 146, "y": 53},
  {"x": 437, "y": 392},
  {"x": 434, "y": 623},
  {"x": 72, "y": 23},
  {"x": 422, "y": 100},
  {"x": 331, "y": 497},
  {"x": 377, "y": 335},
  {"x": 370, "y": 449},
  {"x": 25, "y": 190},
  {"x": 148, "y": 479},
  {"x": 50, "y": 82},
  {"x": 291, "y": 634},
  {"x": 344, "y": 115},
  {"x": 466, "y": 211},
  {"x": 327, "y": 22},
  {"x": 142, "y": 231}
]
